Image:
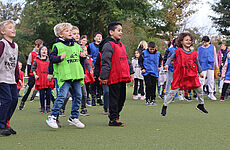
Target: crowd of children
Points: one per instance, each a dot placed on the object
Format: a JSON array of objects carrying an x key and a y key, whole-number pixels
[{"x": 78, "y": 70}]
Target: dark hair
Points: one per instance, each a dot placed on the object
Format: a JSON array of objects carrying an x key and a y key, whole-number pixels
[
  {"x": 38, "y": 42},
  {"x": 174, "y": 42},
  {"x": 138, "y": 52},
  {"x": 169, "y": 44},
  {"x": 152, "y": 44},
  {"x": 205, "y": 39},
  {"x": 112, "y": 26},
  {"x": 83, "y": 36},
  {"x": 181, "y": 38},
  {"x": 95, "y": 34},
  {"x": 39, "y": 52}
]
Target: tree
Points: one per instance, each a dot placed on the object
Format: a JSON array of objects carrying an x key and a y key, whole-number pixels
[
  {"x": 10, "y": 11},
  {"x": 222, "y": 21}
]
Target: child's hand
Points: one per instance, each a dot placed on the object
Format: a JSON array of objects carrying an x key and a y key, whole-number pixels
[
  {"x": 91, "y": 71},
  {"x": 63, "y": 56},
  {"x": 36, "y": 77},
  {"x": 132, "y": 79},
  {"x": 50, "y": 77},
  {"x": 82, "y": 54},
  {"x": 143, "y": 70},
  {"x": 103, "y": 81},
  {"x": 166, "y": 67},
  {"x": 201, "y": 75}
]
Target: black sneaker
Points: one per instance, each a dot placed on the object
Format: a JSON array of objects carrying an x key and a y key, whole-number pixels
[
  {"x": 188, "y": 98},
  {"x": 99, "y": 101},
  {"x": 163, "y": 111},
  {"x": 201, "y": 108},
  {"x": 116, "y": 123},
  {"x": 62, "y": 113},
  {"x": 58, "y": 123},
  {"x": 21, "y": 106},
  {"x": 93, "y": 102},
  {"x": 12, "y": 131},
  {"x": 153, "y": 103},
  {"x": 4, "y": 132},
  {"x": 84, "y": 112}
]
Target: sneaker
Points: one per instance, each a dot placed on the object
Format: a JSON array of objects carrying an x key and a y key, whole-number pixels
[
  {"x": 181, "y": 98},
  {"x": 201, "y": 108},
  {"x": 88, "y": 102},
  {"x": 70, "y": 98},
  {"x": 153, "y": 103},
  {"x": 84, "y": 112},
  {"x": 93, "y": 102},
  {"x": 51, "y": 121},
  {"x": 58, "y": 123},
  {"x": 116, "y": 123},
  {"x": 195, "y": 96},
  {"x": 42, "y": 111},
  {"x": 142, "y": 98},
  {"x": 212, "y": 97},
  {"x": 76, "y": 122},
  {"x": 105, "y": 112},
  {"x": 62, "y": 113},
  {"x": 135, "y": 97},
  {"x": 21, "y": 106},
  {"x": 222, "y": 99},
  {"x": 4, "y": 132},
  {"x": 163, "y": 110},
  {"x": 99, "y": 101},
  {"x": 176, "y": 96},
  {"x": 31, "y": 100},
  {"x": 147, "y": 103},
  {"x": 139, "y": 95},
  {"x": 188, "y": 98},
  {"x": 12, "y": 131},
  {"x": 48, "y": 109}
]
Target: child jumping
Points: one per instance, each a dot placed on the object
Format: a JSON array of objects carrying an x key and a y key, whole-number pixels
[
  {"x": 185, "y": 70},
  {"x": 150, "y": 62},
  {"x": 70, "y": 74}
]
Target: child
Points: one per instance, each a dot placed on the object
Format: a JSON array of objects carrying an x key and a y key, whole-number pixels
[
  {"x": 93, "y": 50},
  {"x": 84, "y": 40},
  {"x": 31, "y": 80},
  {"x": 138, "y": 78},
  {"x": 208, "y": 59},
  {"x": 70, "y": 74},
  {"x": 185, "y": 70},
  {"x": 9, "y": 75},
  {"x": 162, "y": 80},
  {"x": 150, "y": 62},
  {"x": 115, "y": 72},
  {"x": 40, "y": 70},
  {"x": 225, "y": 76},
  {"x": 20, "y": 82}
]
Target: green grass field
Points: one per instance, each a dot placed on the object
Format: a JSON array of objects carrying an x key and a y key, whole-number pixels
[{"x": 184, "y": 128}]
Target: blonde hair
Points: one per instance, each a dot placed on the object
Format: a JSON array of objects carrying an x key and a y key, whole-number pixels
[
  {"x": 144, "y": 44},
  {"x": 4, "y": 23},
  {"x": 61, "y": 27},
  {"x": 75, "y": 28}
]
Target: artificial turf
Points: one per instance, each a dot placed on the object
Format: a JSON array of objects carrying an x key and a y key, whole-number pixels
[{"x": 183, "y": 128}]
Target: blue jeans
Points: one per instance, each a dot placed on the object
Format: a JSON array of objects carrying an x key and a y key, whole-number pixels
[
  {"x": 106, "y": 96},
  {"x": 75, "y": 89}
]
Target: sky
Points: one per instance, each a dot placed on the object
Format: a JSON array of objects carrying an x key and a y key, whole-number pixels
[{"x": 200, "y": 19}]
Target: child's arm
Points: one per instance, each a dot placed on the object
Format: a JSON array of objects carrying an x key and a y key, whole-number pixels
[
  {"x": 199, "y": 69},
  {"x": 140, "y": 62},
  {"x": 2, "y": 46},
  {"x": 224, "y": 69},
  {"x": 107, "y": 53},
  {"x": 165, "y": 56},
  {"x": 97, "y": 66},
  {"x": 34, "y": 67},
  {"x": 17, "y": 74},
  {"x": 54, "y": 58},
  {"x": 169, "y": 60}
]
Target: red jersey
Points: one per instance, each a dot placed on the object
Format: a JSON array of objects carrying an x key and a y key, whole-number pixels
[
  {"x": 21, "y": 73},
  {"x": 34, "y": 55},
  {"x": 185, "y": 70},
  {"x": 89, "y": 77}
]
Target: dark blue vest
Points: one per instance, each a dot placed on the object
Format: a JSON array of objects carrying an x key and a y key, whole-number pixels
[
  {"x": 151, "y": 63},
  {"x": 227, "y": 74},
  {"x": 206, "y": 57},
  {"x": 94, "y": 51}
]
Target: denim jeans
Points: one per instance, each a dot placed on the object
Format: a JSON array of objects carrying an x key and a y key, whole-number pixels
[
  {"x": 75, "y": 89},
  {"x": 106, "y": 96}
]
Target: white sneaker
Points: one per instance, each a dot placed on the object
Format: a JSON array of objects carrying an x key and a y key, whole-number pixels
[
  {"x": 181, "y": 98},
  {"x": 76, "y": 122},
  {"x": 51, "y": 121},
  {"x": 212, "y": 97}
]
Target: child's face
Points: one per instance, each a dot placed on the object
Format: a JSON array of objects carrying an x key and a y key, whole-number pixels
[
  {"x": 66, "y": 34},
  {"x": 223, "y": 47},
  {"x": 20, "y": 66},
  {"x": 117, "y": 33},
  {"x": 9, "y": 30},
  {"x": 206, "y": 43},
  {"x": 98, "y": 38},
  {"x": 44, "y": 51},
  {"x": 187, "y": 42},
  {"x": 152, "y": 49},
  {"x": 137, "y": 54},
  {"x": 76, "y": 35},
  {"x": 84, "y": 41}
]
